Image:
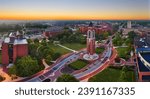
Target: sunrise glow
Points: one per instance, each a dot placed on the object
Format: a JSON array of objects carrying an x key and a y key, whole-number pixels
[{"x": 74, "y": 9}]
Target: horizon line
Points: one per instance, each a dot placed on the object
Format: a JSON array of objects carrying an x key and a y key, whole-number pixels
[{"x": 74, "y": 19}]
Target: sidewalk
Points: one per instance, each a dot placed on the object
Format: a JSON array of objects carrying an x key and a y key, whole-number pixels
[{"x": 7, "y": 77}]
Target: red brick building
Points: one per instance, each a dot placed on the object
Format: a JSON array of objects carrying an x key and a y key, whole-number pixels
[
  {"x": 101, "y": 28},
  {"x": 12, "y": 47},
  {"x": 52, "y": 31},
  {"x": 91, "y": 41}
]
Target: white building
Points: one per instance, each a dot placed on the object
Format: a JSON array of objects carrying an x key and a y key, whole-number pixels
[{"x": 129, "y": 25}]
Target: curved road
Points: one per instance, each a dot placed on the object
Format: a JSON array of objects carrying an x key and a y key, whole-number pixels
[{"x": 54, "y": 72}]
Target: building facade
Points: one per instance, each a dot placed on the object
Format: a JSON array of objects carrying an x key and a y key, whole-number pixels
[
  {"x": 100, "y": 28},
  {"x": 129, "y": 25},
  {"x": 52, "y": 31},
  {"x": 12, "y": 47},
  {"x": 91, "y": 41}
]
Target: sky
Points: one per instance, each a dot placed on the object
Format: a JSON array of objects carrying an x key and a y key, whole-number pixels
[{"x": 75, "y": 9}]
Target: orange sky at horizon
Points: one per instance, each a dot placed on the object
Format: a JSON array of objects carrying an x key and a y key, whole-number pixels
[
  {"x": 72, "y": 16},
  {"x": 73, "y": 10}
]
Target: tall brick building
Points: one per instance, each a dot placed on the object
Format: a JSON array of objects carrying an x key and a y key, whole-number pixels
[
  {"x": 12, "y": 47},
  {"x": 90, "y": 55},
  {"x": 91, "y": 41}
]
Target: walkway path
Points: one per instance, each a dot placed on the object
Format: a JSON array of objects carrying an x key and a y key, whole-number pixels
[
  {"x": 66, "y": 48},
  {"x": 3, "y": 74}
]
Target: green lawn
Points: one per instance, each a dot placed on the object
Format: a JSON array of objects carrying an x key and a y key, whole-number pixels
[
  {"x": 77, "y": 65},
  {"x": 58, "y": 49},
  {"x": 112, "y": 75},
  {"x": 75, "y": 46},
  {"x": 99, "y": 50}
]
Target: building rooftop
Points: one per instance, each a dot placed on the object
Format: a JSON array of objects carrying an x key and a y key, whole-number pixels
[
  {"x": 15, "y": 41},
  {"x": 146, "y": 56},
  {"x": 54, "y": 29},
  {"x": 141, "y": 43},
  {"x": 20, "y": 41},
  {"x": 142, "y": 67},
  {"x": 143, "y": 50},
  {"x": 7, "y": 40},
  {"x": 15, "y": 38}
]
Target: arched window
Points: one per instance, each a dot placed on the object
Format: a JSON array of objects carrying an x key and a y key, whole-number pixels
[{"x": 91, "y": 34}]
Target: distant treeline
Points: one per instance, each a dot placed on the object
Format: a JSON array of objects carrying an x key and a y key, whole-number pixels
[{"x": 9, "y": 28}]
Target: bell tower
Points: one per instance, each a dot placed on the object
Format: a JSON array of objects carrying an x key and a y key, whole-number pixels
[
  {"x": 90, "y": 55},
  {"x": 91, "y": 41}
]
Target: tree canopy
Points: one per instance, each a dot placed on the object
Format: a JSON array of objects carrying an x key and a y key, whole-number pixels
[{"x": 25, "y": 66}]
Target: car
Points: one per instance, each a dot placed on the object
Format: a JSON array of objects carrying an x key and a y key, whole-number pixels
[{"x": 55, "y": 68}]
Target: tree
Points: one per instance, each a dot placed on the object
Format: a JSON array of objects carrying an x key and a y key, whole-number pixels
[
  {"x": 44, "y": 51},
  {"x": 50, "y": 40},
  {"x": 132, "y": 34},
  {"x": 128, "y": 41},
  {"x": 105, "y": 34},
  {"x": 25, "y": 66},
  {"x": 36, "y": 41},
  {"x": 33, "y": 50},
  {"x": 66, "y": 78},
  {"x": 44, "y": 42},
  {"x": 12, "y": 70},
  {"x": 56, "y": 55},
  {"x": 29, "y": 41},
  {"x": 117, "y": 41},
  {"x": 82, "y": 39},
  {"x": 48, "y": 59},
  {"x": 17, "y": 27},
  {"x": 68, "y": 37}
]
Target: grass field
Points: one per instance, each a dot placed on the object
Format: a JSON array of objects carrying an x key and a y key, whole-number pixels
[
  {"x": 112, "y": 75},
  {"x": 58, "y": 49},
  {"x": 77, "y": 65},
  {"x": 74, "y": 46}
]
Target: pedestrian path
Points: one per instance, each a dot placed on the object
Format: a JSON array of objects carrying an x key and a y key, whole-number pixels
[
  {"x": 66, "y": 48},
  {"x": 7, "y": 77}
]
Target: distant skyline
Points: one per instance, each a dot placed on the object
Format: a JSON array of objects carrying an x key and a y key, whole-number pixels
[{"x": 74, "y": 9}]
